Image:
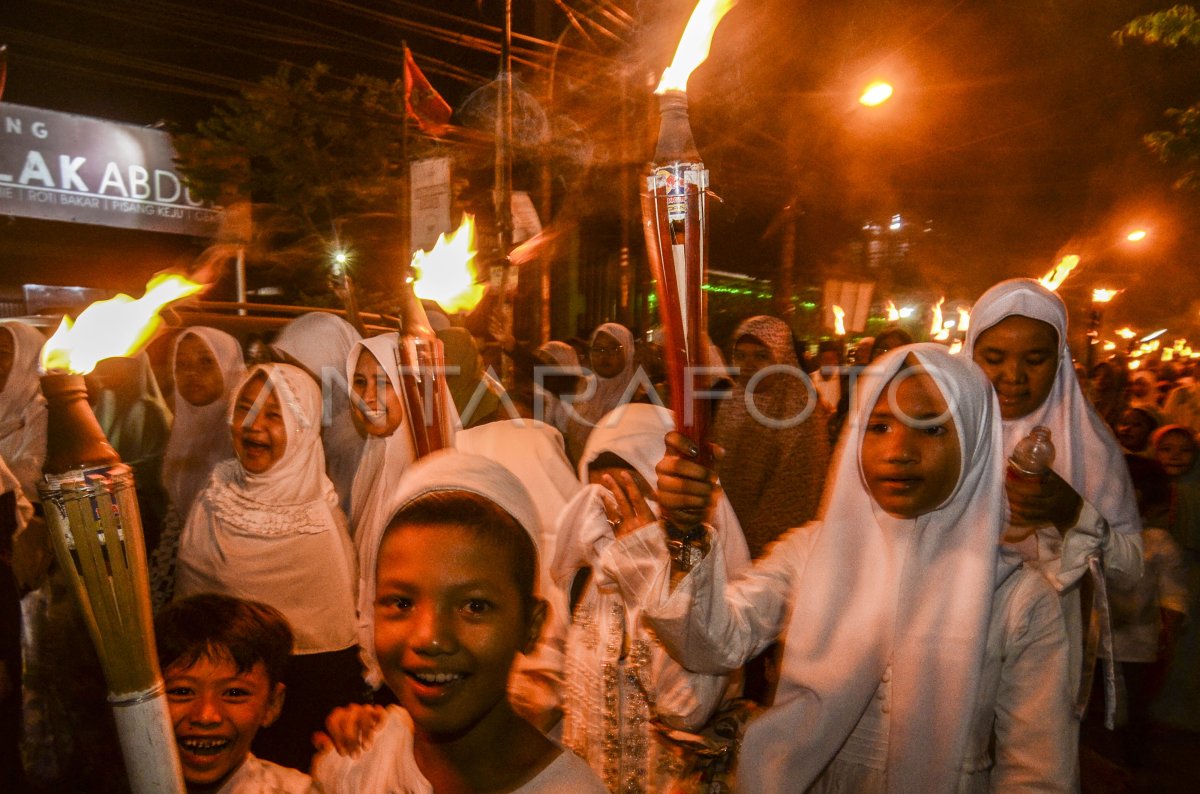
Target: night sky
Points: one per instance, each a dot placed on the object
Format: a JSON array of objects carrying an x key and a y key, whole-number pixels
[{"x": 1015, "y": 128}]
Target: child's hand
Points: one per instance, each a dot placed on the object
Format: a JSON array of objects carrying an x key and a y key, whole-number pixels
[
  {"x": 627, "y": 510},
  {"x": 686, "y": 489},
  {"x": 1036, "y": 502},
  {"x": 350, "y": 730}
]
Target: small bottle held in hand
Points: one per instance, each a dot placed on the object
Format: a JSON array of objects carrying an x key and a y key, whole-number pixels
[{"x": 1033, "y": 455}]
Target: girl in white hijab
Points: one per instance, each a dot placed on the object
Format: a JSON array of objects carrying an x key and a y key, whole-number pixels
[
  {"x": 565, "y": 362},
  {"x": 320, "y": 343},
  {"x": 916, "y": 658},
  {"x": 621, "y": 688},
  {"x": 209, "y": 369},
  {"x": 1085, "y": 506},
  {"x": 268, "y": 528},
  {"x": 22, "y": 407},
  {"x": 612, "y": 365}
]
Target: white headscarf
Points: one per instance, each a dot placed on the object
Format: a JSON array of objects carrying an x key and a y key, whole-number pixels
[
  {"x": 321, "y": 342},
  {"x": 444, "y": 471},
  {"x": 567, "y": 361},
  {"x": 608, "y": 392},
  {"x": 197, "y": 444},
  {"x": 277, "y": 537},
  {"x": 23, "y": 409},
  {"x": 1086, "y": 454},
  {"x": 634, "y": 433},
  {"x": 879, "y": 590},
  {"x": 383, "y": 459}
]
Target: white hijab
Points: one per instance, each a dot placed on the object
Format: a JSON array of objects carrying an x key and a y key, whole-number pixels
[
  {"x": 321, "y": 342},
  {"x": 583, "y": 414},
  {"x": 383, "y": 459},
  {"x": 277, "y": 537},
  {"x": 567, "y": 361},
  {"x": 1086, "y": 454},
  {"x": 878, "y": 590},
  {"x": 23, "y": 409},
  {"x": 443, "y": 471},
  {"x": 196, "y": 444},
  {"x": 294, "y": 495},
  {"x": 634, "y": 433}
]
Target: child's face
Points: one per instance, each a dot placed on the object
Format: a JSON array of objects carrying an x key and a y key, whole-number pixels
[
  {"x": 197, "y": 374},
  {"x": 259, "y": 433},
  {"x": 911, "y": 470},
  {"x": 216, "y": 711},
  {"x": 377, "y": 410},
  {"x": 449, "y": 619},
  {"x": 1175, "y": 453},
  {"x": 1133, "y": 430},
  {"x": 1020, "y": 356}
]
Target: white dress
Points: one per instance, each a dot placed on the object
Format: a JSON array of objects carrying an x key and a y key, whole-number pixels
[
  {"x": 389, "y": 767},
  {"x": 256, "y": 776},
  {"x": 1020, "y": 733}
]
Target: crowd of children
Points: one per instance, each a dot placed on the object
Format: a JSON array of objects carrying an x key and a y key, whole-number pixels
[{"x": 568, "y": 602}]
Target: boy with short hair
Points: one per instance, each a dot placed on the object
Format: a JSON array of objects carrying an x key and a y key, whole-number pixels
[{"x": 223, "y": 661}]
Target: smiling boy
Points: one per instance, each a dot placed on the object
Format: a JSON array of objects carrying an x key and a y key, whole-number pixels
[{"x": 223, "y": 661}]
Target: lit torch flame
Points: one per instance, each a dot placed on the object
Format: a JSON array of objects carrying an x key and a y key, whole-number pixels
[
  {"x": 694, "y": 45},
  {"x": 1126, "y": 333},
  {"x": 935, "y": 327},
  {"x": 893, "y": 314},
  {"x": 119, "y": 326},
  {"x": 839, "y": 320},
  {"x": 1103, "y": 295},
  {"x": 1110, "y": 346},
  {"x": 964, "y": 319},
  {"x": 1054, "y": 279},
  {"x": 956, "y": 347},
  {"x": 446, "y": 274}
]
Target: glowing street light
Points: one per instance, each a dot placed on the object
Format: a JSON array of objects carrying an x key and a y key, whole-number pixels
[
  {"x": 876, "y": 94},
  {"x": 1137, "y": 235}
]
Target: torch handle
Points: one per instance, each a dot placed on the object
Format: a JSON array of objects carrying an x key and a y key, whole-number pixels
[{"x": 148, "y": 744}]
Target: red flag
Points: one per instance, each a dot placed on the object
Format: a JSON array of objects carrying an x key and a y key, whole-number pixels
[
  {"x": 425, "y": 104},
  {"x": 3, "y": 67}
]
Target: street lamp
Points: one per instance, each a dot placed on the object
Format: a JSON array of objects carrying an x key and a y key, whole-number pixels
[
  {"x": 1137, "y": 235},
  {"x": 876, "y": 94}
]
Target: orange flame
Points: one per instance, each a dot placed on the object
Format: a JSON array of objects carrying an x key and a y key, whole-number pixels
[
  {"x": 1126, "y": 333},
  {"x": 1103, "y": 295},
  {"x": 964, "y": 319},
  {"x": 839, "y": 320},
  {"x": 956, "y": 347},
  {"x": 893, "y": 314},
  {"x": 935, "y": 327},
  {"x": 447, "y": 273},
  {"x": 1054, "y": 279},
  {"x": 694, "y": 45},
  {"x": 119, "y": 326},
  {"x": 876, "y": 94}
]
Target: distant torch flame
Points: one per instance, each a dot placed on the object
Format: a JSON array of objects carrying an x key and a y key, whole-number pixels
[
  {"x": 694, "y": 45},
  {"x": 936, "y": 327},
  {"x": 876, "y": 94},
  {"x": 956, "y": 347},
  {"x": 447, "y": 273},
  {"x": 964, "y": 319},
  {"x": 1136, "y": 236},
  {"x": 839, "y": 320},
  {"x": 1110, "y": 346},
  {"x": 119, "y": 326},
  {"x": 893, "y": 314},
  {"x": 1126, "y": 333},
  {"x": 1103, "y": 295},
  {"x": 1054, "y": 279}
]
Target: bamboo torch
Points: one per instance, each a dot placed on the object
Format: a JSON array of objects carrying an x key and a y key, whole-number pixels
[
  {"x": 675, "y": 221},
  {"x": 445, "y": 275},
  {"x": 96, "y": 527}
]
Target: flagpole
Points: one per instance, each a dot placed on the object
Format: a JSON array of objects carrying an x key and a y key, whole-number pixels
[{"x": 405, "y": 181}]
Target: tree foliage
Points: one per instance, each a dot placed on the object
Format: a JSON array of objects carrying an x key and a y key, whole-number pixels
[
  {"x": 1180, "y": 146},
  {"x": 316, "y": 155}
]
